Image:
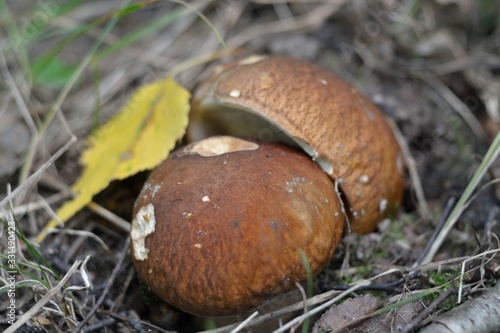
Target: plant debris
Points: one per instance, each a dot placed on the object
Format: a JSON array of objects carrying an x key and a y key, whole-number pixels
[{"x": 433, "y": 67}]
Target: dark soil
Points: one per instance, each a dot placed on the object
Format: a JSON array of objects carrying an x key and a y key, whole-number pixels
[{"x": 433, "y": 67}]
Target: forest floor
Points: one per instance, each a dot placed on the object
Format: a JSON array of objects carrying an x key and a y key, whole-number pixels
[{"x": 433, "y": 68}]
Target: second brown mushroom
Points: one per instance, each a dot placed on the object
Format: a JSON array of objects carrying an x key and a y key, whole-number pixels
[{"x": 283, "y": 99}]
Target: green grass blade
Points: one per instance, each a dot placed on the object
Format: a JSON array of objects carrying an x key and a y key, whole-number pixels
[
  {"x": 37, "y": 256},
  {"x": 141, "y": 33},
  {"x": 405, "y": 301},
  {"x": 309, "y": 290},
  {"x": 489, "y": 158},
  {"x": 20, "y": 285},
  {"x": 25, "y": 273}
]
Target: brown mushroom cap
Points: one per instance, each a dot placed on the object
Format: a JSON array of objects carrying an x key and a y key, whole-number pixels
[
  {"x": 219, "y": 225},
  {"x": 288, "y": 100}
]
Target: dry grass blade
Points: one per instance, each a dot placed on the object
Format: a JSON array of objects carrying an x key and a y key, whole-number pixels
[
  {"x": 204, "y": 18},
  {"x": 410, "y": 327},
  {"x": 69, "y": 65},
  {"x": 17, "y": 94},
  {"x": 44, "y": 300},
  {"x": 110, "y": 216},
  {"x": 318, "y": 299},
  {"x": 35, "y": 205},
  {"x": 438, "y": 265},
  {"x": 56, "y": 106},
  {"x": 37, "y": 174},
  {"x": 109, "y": 283},
  {"x": 414, "y": 175},
  {"x": 456, "y": 104},
  {"x": 307, "y": 21},
  {"x": 324, "y": 306},
  {"x": 437, "y": 230},
  {"x": 245, "y": 322},
  {"x": 493, "y": 253}
]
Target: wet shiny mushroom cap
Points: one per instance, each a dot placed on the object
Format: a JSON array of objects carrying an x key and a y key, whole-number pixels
[
  {"x": 283, "y": 99},
  {"x": 219, "y": 226}
]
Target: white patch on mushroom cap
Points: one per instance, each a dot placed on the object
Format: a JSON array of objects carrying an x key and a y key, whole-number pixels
[
  {"x": 252, "y": 59},
  {"x": 382, "y": 205},
  {"x": 143, "y": 225},
  {"x": 219, "y": 145},
  {"x": 235, "y": 93},
  {"x": 151, "y": 189},
  {"x": 155, "y": 189},
  {"x": 364, "y": 179}
]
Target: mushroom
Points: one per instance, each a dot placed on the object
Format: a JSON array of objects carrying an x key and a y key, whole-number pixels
[
  {"x": 220, "y": 225},
  {"x": 282, "y": 99}
]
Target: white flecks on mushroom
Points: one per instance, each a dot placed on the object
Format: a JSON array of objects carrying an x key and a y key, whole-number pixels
[
  {"x": 143, "y": 225},
  {"x": 382, "y": 205},
  {"x": 197, "y": 245},
  {"x": 289, "y": 186},
  {"x": 323, "y": 81},
  {"x": 235, "y": 93},
  {"x": 150, "y": 190},
  {"x": 219, "y": 145},
  {"x": 364, "y": 179},
  {"x": 354, "y": 213},
  {"x": 155, "y": 189},
  {"x": 206, "y": 198}
]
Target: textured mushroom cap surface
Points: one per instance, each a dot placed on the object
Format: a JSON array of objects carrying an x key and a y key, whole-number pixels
[
  {"x": 314, "y": 109},
  {"x": 219, "y": 235}
]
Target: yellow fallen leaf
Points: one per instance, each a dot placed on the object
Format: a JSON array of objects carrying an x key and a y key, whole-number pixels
[{"x": 139, "y": 137}]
